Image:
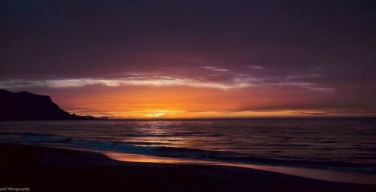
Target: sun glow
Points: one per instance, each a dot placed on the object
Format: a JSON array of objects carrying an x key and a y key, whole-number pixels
[
  {"x": 161, "y": 113},
  {"x": 155, "y": 114}
]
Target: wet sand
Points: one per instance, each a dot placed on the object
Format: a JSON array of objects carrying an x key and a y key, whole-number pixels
[
  {"x": 319, "y": 174},
  {"x": 51, "y": 169}
]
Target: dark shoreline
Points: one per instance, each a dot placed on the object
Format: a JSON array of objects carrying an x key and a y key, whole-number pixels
[{"x": 50, "y": 169}]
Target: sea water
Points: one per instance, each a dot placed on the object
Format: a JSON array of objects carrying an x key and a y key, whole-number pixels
[{"x": 325, "y": 143}]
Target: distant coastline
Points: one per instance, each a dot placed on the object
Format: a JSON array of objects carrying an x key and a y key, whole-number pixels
[{"x": 235, "y": 119}]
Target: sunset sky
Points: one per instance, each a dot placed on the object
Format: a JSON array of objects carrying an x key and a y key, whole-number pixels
[{"x": 193, "y": 59}]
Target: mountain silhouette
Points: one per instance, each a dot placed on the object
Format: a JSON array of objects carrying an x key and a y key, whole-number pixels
[{"x": 28, "y": 106}]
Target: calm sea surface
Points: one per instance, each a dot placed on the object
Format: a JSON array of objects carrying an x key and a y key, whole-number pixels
[{"x": 348, "y": 144}]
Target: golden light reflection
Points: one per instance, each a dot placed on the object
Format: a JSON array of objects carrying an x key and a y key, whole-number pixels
[{"x": 327, "y": 175}]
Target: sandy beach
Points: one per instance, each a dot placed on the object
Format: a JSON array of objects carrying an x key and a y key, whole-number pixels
[{"x": 51, "y": 169}]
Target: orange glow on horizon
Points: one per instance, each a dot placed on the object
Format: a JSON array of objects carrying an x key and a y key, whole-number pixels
[
  {"x": 150, "y": 102},
  {"x": 178, "y": 114}
]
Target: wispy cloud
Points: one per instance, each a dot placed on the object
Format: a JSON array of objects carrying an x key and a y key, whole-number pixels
[
  {"x": 312, "y": 75},
  {"x": 257, "y": 67},
  {"x": 307, "y": 85},
  {"x": 230, "y": 81},
  {"x": 215, "y": 69},
  {"x": 133, "y": 81}
]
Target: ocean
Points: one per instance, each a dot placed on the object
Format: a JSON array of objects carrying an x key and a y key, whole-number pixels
[{"x": 323, "y": 143}]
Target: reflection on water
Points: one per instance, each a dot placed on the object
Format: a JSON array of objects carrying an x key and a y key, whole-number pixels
[{"x": 327, "y": 175}]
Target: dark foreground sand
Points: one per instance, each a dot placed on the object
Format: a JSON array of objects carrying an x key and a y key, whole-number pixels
[{"x": 47, "y": 169}]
